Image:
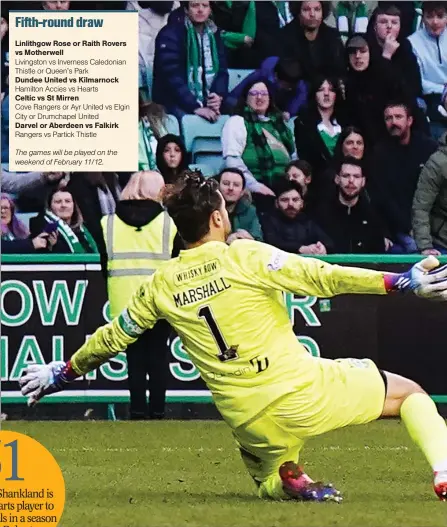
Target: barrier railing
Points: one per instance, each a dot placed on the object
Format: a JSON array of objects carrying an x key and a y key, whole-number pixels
[{"x": 51, "y": 303}]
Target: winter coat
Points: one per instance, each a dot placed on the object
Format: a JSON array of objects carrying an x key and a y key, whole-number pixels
[
  {"x": 430, "y": 201},
  {"x": 353, "y": 230},
  {"x": 170, "y": 86},
  {"x": 394, "y": 175},
  {"x": 291, "y": 234},
  {"x": 245, "y": 217}
]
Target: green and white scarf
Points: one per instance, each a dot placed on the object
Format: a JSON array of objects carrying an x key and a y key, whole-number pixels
[
  {"x": 284, "y": 14},
  {"x": 8, "y": 236},
  {"x": 69, "y": 235},
  {"x": 201, "y": 53},
  {"x": 351, "y": 17},
  {"x": 146, "y": 156},
  {"x": 263, "y": 151}
]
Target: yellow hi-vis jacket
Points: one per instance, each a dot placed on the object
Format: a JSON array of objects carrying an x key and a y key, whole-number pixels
[{"x": 133, "y": 255}]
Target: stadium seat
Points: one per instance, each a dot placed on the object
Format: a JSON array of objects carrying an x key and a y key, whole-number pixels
[
  {"x": 236, "y": 76},
  {"x": 172, "y": 125},
  {"x": 24, "y": 217},
  {"x": 202, "y": 139}
]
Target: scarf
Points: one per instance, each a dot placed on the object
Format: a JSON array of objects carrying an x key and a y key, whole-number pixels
[
  {"x": 8, "y": 236},
  {"x": 284, "y": 14},
  {"x": 263, "y": 150},
  {"x": 146, "y": 159},
  {"x": 202, "y": 59},
  {"x": 351, "y": 17},
  {"x": 417, "y": 22},
  {"x": 69, "y": 235}
]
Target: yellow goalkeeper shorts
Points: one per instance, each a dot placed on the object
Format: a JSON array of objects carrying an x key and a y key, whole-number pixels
[{"x": 343, "y": 392}]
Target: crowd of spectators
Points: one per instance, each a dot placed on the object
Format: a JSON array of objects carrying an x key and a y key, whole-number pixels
[{"x": 334, "y": 143}]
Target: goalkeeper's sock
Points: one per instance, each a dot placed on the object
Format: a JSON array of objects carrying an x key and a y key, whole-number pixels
[
  {"x": 272, "y": 488},
  {"x": 426, "y": 427}
]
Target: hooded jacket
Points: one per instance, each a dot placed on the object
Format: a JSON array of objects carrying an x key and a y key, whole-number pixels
[
  {"x": 138, "y": 213},
  {"x": 168, "y": 174}
]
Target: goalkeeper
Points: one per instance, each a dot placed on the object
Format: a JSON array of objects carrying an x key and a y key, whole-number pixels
[{"x": 226, "y": 304}]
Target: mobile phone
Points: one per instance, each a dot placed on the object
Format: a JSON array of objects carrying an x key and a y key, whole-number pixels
[{"x": 51, "y": 227}]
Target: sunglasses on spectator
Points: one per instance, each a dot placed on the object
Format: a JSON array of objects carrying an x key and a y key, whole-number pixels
[{"x": 256, "y": 93}]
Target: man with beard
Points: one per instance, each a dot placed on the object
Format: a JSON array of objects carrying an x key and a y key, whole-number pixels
[
  {"x": 395, "y": 167},
  {"x": 288, "y": 228},
  {"x": 349, "y": 218},
  {"x": 227, "y": 305}
]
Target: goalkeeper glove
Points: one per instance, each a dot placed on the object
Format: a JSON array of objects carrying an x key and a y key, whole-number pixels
[
  {"x": 425, "y": 279},
  {"x": 40, "y": 380}
]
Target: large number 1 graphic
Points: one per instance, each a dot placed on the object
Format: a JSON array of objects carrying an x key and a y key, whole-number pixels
[{"x": 225, "y": 352}]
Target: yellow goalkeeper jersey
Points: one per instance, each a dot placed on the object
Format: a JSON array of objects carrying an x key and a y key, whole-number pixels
[{"x": 227, "y": 305}]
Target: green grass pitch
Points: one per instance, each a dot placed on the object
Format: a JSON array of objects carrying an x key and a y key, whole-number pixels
[{"x": 174, "y": 473}]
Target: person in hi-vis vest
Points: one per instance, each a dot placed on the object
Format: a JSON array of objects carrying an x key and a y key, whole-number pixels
[{"x": 139, "y": 238}]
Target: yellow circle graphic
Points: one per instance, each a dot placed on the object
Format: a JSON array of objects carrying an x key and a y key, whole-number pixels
[{"x": 32, "y": 488}]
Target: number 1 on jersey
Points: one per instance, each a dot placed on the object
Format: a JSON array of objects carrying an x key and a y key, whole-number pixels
[{"x": 225, "y": 352}]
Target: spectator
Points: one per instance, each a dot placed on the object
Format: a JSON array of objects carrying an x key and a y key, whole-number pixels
[
  {"x": 430, "y": 47},
  {"x": 96, "y": 194},
  {"x": 318, "y": 126},
  {"x": 19, "y": 182},
  {"x": 152, "y": 16},
  {"x": 350, "y": 143},
  {"x": 351, "y": 17},
  {"x": 348, "y": 216},
  {"x": 56, "y": 5},
  {"x": 142, "y": 228},
  {"x": 430, "y": 204},
  {"x": 256, "y": 25},
  {"x": 289, "y": 228},
  {"x": 73, "y": 235},
  {"x": 4, "y": 58},
  {"x": 285, "y": 76},
  {"x": 172, "y": 157},
  {"x": 15, "y": 234},
  {"x": 256, "y": 140},
  {"x": 150, "y": 129},
  {"x": 300, "y": 171},
  {"x": 395, "y": 167},
  {"x": 316, "y": 46},
  {"x": 190, "y": 68},
  {"x": 237, "y": 21},
  {"x": 5, "y": 128},
  {"x": 410, "y": 15},
  {"x": 369, "y": 86},
  {"x": 4, "y": 52},
  {"x": 386, "y": 43},
  {"x": 244, "y": 220}
]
